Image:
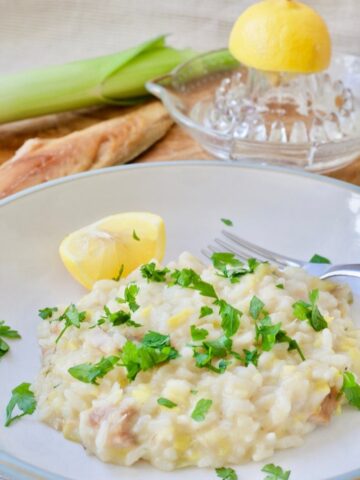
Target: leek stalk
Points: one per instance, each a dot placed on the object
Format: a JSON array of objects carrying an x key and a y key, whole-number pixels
[{"x": 116, "y": 79}]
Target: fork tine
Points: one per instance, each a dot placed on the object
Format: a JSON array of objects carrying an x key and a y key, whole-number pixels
[
  {"x": 206, "y": 253},
  {"x": 240, "y": 253},
  {"x": 269, "y": 255},
  {"x": 230, "y": 248}
]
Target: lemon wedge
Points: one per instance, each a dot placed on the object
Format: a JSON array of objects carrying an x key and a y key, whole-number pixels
[
  {"x": 281, "y": 36},
  {"x": 99, "y": 250}
]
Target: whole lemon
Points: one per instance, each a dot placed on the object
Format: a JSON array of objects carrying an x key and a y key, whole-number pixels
[{"x": 281, "y": 36}]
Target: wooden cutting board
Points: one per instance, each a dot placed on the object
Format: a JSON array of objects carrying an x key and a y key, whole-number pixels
[{"x": 176, "y": 145}]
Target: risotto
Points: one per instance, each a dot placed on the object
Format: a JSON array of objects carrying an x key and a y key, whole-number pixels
[{"x": 197, "y": 365}]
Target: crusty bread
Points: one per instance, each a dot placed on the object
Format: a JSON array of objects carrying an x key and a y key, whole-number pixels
[{"x": 109, "y": 142}]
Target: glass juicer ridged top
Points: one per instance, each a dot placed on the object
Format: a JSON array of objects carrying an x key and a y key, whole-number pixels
[{"x": 308, "y": 121}]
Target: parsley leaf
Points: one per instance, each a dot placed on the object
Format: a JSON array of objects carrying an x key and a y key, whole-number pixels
[
  {"x": 198, "y": 333},
  {"x": 256, "y": 306},
  {"x": 205, "y": 353},
  {"x": 150, "y": 272},
  {"x": 7, "y": 332},
  {"x": 90, "y": 372},
  {"x": 226, "y": 473},
  {"x": 282, "y": 337},
  {"x": 4, "y": 347},
  {"x": 230, "y": 317},
  {"x": 310, "y": 312},
  {"x": 165, "y": 402},
  {"x": 47, "y": 312},
  {"x": 219, "y": 347},
  {"x": 251, "y": 357},
  {"x": 130, "y": 294},
  {"x": 155, "y": 340},
  {"x": 318, "y": 259},
  {"x": 275, "y": 472},
  {"x": 301, "y": 310},
  {"x": 119, "y": 275},
  {"x": 23, "y": 398},
  {"x": 72, "y": 318},
  {"x": 222, "y": 365},
  {"x": 267, "y": 332},
  {"x": 227, "y": 222},
  {"x": 280, "y": 286},
  {"x": 223, "y": 260},
  {"x": 153, "y": 350},
  {"x": 135, "y": 237},
  {"x": 201, "y": 409},
  {"x": 231, "y": 267},
  {"x": 351, "y": 389},
  {"x": 205, "y": 311},
  {"x": 188, "y": 278},
  {"x": 118, "y": 318}
]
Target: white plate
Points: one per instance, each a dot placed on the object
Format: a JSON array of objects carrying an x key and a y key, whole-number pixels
[{"x": 297, "y": 214}]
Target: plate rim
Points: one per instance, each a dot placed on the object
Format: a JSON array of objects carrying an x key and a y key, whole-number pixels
[
  {"x": 21, "y": 470},
  {"x": 180, "y": 163}
]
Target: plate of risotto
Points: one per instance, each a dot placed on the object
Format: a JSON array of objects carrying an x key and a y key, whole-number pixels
[{"x": 121, "y": 358}]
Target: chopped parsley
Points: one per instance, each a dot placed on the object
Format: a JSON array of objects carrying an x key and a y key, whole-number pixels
[
  {"x": 198, "y": 334},
  {"x": 47, "y": 312},
  {"x": 7, "y": 332},
  {"x": 310, "y": 312},
  {"x": 135, "y": 236},
  {"x": 226, "y": 473},
  {"x": 4, "y": 347},
  {"x": 230, "y": 317},
  {"x": 90, "y": 372},
  {"x": 266, "y": 333},
  {"x": 150, "y": 272},
  {"x": 119, "y": 275},
  {"x": 318, "y": 259},
  {"x": 275, "y": 472},
  {"x": 227, "y": 222},
  {"x": 72, "y": 317},
  {"x": 251, "y": 357},
  {"x": 351, "y": 389},
  {"x": 22, "y": 398},
  {"x": 280, "y": 286},
  {"x": 201, "y": 409},
  {"x": 282, "y": 337},
  {"x": 153, "y": 350},
  {"x": 205, "y": 311},
  {"x": 155, "y": 340},
  {"x": 256, "y": 307},
  {"x": 210, "y": 350},
  {"x": 188, "y": 278},
  {"x": 165, "y": 402},
  {"x": 118, "y": 318},
  {"x": 232, "y": 268},
  {"x": 130, "y": 294}
]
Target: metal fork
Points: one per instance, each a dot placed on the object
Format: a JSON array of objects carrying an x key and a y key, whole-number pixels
[{"x": 243, "y": 249}]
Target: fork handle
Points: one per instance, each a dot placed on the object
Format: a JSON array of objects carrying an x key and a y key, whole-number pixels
[{"x": 350, "y": 270}]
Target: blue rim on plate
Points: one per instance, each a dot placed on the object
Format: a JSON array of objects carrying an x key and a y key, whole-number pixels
[{"x": 13, "y": 469}]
